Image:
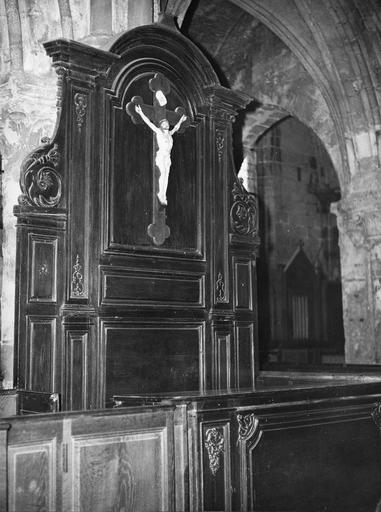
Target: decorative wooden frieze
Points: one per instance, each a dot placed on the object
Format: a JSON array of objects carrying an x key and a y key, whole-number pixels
[
  {"x": 243, "y": 213},
  {"x": 80, "y": 103},
  {"x": 247, "y": 426},
  {"x": 77, "y": 287},
  {"x": 220, "y": 288},
  {"x": 214, "y": 444},
  {"x": 40, "y": 183}
]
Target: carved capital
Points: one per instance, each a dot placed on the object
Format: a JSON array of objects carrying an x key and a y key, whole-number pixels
[
  {"x": 362, "y": 227},
  {"x": 215, "y": 445},
  {"x": 247, "y": 426}
]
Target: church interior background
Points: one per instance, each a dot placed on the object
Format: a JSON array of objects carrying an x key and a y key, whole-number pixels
[{"x": 305, "y": 79}]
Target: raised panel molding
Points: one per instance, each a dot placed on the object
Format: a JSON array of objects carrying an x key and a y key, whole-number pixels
[
  {"x": 176, "y": 357},
  {"x": 43, "y": 268},
  {"x": 131, "y": 286},
  {"x": 221, "y": 361},
  {"x": 41, "y": 352},
  {"x": 32, "y": 476},
  {"x": 76, "y": 369},
  {"x": 243, "y": 354},
  {"x": 129, "y": 471},
  {"x": 243, "y": 284},
  {"x": 216, "y": 466}
]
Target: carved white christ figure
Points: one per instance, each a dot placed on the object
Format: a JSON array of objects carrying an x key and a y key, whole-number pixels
[{"x": 163, "y": 155}]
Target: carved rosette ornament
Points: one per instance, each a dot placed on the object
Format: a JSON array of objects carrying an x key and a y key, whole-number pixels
[
  {"x": 220, "y": 288},
  {"x": 80, "y": 103},
  {"x": 40, "y": 183},
  {"x": 247, "y": 426},
  {"x": 77, "y": 279},
  {"x": 214, "y": 444},
  {"x": 243, "y": 213}
]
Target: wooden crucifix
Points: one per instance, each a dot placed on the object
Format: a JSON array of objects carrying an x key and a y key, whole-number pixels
[{"x": 159, "y": 119}]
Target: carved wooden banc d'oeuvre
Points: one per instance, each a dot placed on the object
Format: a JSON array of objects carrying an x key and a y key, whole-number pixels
[{"x": 117, "y": 290}]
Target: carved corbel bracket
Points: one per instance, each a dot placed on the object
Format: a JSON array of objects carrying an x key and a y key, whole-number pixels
[{"x": 247, "y": 426}]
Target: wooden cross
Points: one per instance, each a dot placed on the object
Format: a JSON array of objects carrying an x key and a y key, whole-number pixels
[{"x": 160, "y": 87}]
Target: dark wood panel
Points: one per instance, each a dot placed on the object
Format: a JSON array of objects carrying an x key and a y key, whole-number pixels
[
  {"x": 244, "y": 357},
  {"x": 41, "y": 353},
  {"x": 222, "y": 360},
  {"x": 126, "y": 287},
  {"x": 76, "y": 369},
  {"x": 331, "y": 467},
  {"x": 153, "y": 357},
  {"x": 216, "y": 466},
  {"x": 130, "y": 169},
  {"x": 43, "y": 271},
  {"x": 81, "y": 138},
  {"x": 243, "y": 281}
]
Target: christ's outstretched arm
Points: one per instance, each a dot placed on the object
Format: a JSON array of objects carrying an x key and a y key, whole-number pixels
[
  {"x": 153, "y": 127},
  {"x": 178, "y": 124}
]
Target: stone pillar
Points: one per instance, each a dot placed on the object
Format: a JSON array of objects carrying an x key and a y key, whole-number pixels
[
  {"x": 27, "y": 113},
  {"x": 359, "y": 222}
]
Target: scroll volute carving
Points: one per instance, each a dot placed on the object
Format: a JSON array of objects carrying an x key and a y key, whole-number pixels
[
  {"x": 244, "y": 211},
  {"x": 40, "y": 181}
]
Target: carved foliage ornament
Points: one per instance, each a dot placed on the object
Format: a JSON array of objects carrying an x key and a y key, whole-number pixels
[
  {"x": 243, "y": 213},
  {"x": 80, "y": 103},
  {"x": 220, "y": 288},
  {"x": 214, "y": 444},
  {"x": 247, "y": 426},
  {"x": 40, "y": 183},
  {"x": 220, "y": 142},
  {"x": 77, "y": 279}
]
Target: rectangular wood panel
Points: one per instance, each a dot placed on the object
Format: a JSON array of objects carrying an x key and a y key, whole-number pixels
[
  {"x": 76, "y": 369},
  {"x": 153, "y": 357},
  {"x": 148, "y": 288},
  {"x": 41, "y": 352},
  {"x": 244, "y": 355},
  {"x": 32, "y": 477},
  {"x": 216, "y": 466},
  {"x": 43, "y": 268},
  {"x": 222, "y": 360},
  {"x": 243, "y": 292},
  {"x": 127, "y": 472}
]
